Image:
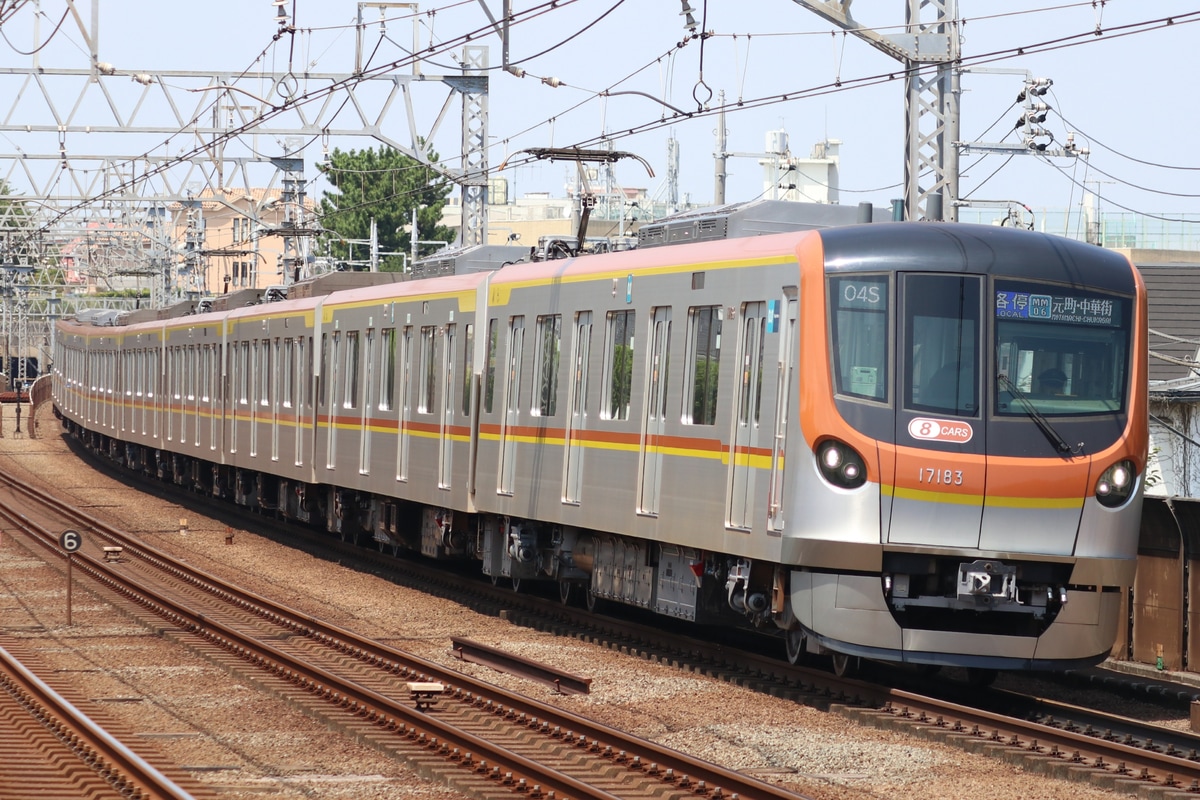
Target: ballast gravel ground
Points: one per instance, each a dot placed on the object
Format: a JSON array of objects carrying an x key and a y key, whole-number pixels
[{"x": 248, "y": 745}]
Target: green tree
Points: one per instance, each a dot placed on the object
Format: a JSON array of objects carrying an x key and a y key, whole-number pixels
[{"x": 386, "y": 185}]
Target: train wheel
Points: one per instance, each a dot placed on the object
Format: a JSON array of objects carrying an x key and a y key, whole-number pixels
[
  {"x": 516, "y": 583},
  {"x": 495, "y": 580},
  {"x": 794, "y": 641},
  {"x": 980, "y": 678},
  {"x": 594, "y": 604},
  {"x": 565, "y": 592},
  {"x": 843, "y": 665}
]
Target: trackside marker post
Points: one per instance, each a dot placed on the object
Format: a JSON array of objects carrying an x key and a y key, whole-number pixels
[{"x": 70, "y": 541}]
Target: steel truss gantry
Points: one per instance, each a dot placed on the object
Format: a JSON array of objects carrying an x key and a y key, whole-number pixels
[{"x": 929, "y": 51}]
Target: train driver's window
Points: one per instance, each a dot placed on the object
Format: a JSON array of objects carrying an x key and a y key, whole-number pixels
[{"x": 859, "y": 307}]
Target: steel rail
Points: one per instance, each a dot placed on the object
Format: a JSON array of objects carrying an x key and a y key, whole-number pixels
[
  {"x": 131, "y": 773},
  {"x": 663, "y": 763}
]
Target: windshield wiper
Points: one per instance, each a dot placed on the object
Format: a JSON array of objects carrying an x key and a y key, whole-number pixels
[{"x": 1060, "y": 444}]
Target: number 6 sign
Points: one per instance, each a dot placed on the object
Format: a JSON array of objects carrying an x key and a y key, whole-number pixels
[{"x": 70, "y": 541}]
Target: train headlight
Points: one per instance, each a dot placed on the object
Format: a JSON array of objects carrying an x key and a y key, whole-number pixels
[
  {"x": 1116, "y": 484},
  {"x": 840, "y": 465}
]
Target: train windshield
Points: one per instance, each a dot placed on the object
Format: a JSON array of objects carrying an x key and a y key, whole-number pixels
[
  {"x": 941, "y": 343},
  {"x": 1060, "y": 351}
]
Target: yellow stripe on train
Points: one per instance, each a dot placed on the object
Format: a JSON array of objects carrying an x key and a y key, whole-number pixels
[{"x": 949, "y": 498}]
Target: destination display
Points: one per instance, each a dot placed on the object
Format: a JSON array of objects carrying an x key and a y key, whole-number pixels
[{"x": 1057, "y": 308}]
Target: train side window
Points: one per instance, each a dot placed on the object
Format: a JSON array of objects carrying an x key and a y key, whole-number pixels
[
  {"x": 323, "y": 378},
  {"x": 288, "y": 377},
  {"x": 448, "y": 368},
  {"x": 704, "y": 354},
  {"x": 489, "y": 391},
  {"x": 428, "y": 370},
  {"x": 264, "y": 372},
  {"x": 304, "y": 346},
  {"x": 350, "y": 395},
  {"x": 244, "y": 374},
  {"x": 387, "y": 375},
  {"x": 618, "y": 364},
  {"x": 193, "y": 376},
  {"x": 206, "y": 355},
  {"x": 468, "y": 367},
  {"x": 549, "y": 345},
  {"x": 859, "y": 307}
]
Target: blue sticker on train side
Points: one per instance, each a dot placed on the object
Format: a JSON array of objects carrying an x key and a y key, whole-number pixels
[{"x": 772, "y": 316}]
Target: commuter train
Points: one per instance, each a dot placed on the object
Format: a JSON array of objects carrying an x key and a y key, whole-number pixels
[{"x": 906, "y": 442}]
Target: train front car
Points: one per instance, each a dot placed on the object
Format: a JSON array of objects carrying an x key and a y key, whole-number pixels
[{"x": 973, "y": 400}]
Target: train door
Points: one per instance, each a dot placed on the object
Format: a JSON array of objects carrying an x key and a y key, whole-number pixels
[
  {"x": 744, "y": 442},
  {"x": 125, "y": 377},
  {"x": 350, "y": 378},
  {"x": 577, "y": 394},
  {"x": 404, "y": 394},
  {"x": 939, "y": 482},
  {"x": 186, "y": 393},
  {"x": 512, "y": 406},
  {"x": 285, "y": 390},
  {"x": 198, "y": 398},
  {"x": 240, "y": 353},
  {"x": 364, "y": 424},
  {"x": 156, "y": 390},
  {"x": 302, "y": 396},
  {"x": 279, "y": 378},
  {"x": 258, "y": 372},
  {"x": 776, "y": 512},
  {"x": 216, "y": 405},
  {"x": 445, "y": 442},
  {"x": 172, "y": 390},
  {"x": 224, "y": 389},
  {"x": 333, "y": 373},
  {"x": 654, "y": 411}
]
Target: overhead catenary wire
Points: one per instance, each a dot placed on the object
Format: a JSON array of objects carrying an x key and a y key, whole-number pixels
[
  {"x": 275, "y": 110},
  {"x": 815, "y": 91}
]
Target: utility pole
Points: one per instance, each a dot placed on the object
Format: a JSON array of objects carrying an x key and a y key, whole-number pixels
[
  {"x": 722, "y": 144},
  {"x": 928, "y": 50}
]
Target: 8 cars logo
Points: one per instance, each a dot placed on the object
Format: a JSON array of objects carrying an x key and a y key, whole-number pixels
[{"x": 940, "y": 430}]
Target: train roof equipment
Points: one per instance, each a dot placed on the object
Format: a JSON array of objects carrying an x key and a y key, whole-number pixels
[{"x": 754, "y": 218}]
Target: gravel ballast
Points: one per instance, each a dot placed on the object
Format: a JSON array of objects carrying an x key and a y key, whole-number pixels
[{"x": 246, "y": 744}]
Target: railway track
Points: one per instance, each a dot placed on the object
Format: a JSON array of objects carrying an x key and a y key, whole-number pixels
[
  {"x": 50, "y": 748},
  {"x": 474, "y": 736},
  {"x": 1122, "y": 754}
]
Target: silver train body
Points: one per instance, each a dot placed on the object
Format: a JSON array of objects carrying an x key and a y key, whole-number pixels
[{"x": 742, "y": 432}]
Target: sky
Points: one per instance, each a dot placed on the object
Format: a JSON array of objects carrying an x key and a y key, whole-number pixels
[{"x": 1123, "y": 84}]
